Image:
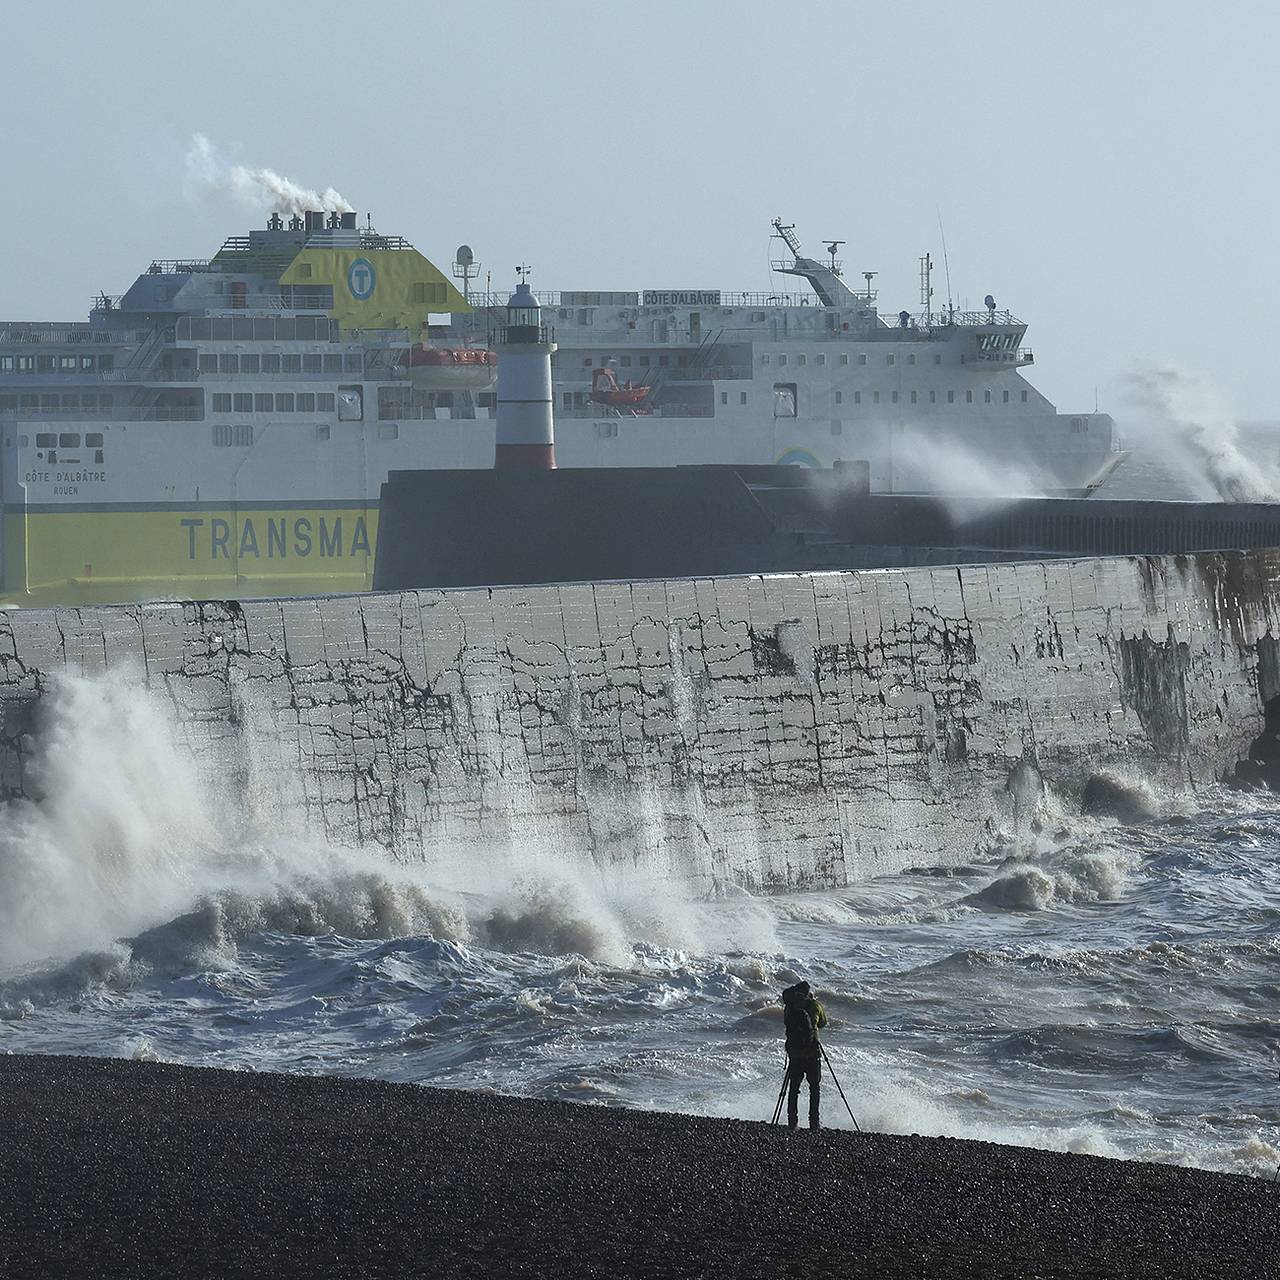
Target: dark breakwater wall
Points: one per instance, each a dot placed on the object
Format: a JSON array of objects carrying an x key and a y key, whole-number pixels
[{"x": 788, "y": 730}]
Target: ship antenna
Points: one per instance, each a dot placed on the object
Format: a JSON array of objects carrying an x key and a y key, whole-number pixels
[{"x": 946, "y": 263}]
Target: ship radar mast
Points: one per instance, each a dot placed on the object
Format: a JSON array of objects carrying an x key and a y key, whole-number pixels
[{"x": 824, "y": 277}]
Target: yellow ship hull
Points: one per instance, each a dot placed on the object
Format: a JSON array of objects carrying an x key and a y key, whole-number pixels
[{"x": 114, "y": 554}]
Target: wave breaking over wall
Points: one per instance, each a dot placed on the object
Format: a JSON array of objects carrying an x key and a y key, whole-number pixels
[{"x": 784, "y": 731}]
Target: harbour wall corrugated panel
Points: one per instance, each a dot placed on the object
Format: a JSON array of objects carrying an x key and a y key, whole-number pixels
[{"x": 805, "y": 729}]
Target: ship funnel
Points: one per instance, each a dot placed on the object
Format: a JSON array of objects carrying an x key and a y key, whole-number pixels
[{"x": 313, "y": 220}]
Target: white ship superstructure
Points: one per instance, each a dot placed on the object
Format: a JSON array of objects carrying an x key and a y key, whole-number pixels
[{"x": 225, "y": 426}]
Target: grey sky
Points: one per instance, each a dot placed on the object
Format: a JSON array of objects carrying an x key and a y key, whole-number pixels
[{"x": 1107, "y": 171}]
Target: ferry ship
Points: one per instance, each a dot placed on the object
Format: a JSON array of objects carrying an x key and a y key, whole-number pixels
[{"x": 225, "y": 426}]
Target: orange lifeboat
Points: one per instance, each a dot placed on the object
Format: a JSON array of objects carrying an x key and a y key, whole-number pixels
[
  {"x": 606, "y": 389},
  {"x": 452, "y": 368}
]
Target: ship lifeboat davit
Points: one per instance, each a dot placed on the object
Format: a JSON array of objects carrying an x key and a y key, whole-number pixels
[
  {"x": 452, "y": 368},
  {"x": 606, "y": 389}
]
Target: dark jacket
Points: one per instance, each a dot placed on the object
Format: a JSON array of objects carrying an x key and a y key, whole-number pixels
[{"x": 803, "y": 1018}]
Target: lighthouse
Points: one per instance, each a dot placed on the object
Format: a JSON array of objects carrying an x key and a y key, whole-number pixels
[{"x": 526, "y": 434}]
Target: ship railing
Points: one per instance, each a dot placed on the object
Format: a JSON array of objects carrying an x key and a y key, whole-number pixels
[
  {"x": 179, "y": 266},
  {"x": 69, "y": 335},
  {"x": 762, "y": 299},
  {"x": 127, "y": 413},
  {"x": 711, "y": 373},
  {"x": 935, "y": 321}
]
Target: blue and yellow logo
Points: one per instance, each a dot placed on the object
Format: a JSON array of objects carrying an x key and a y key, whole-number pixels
[{"x": 361, "y": 279}]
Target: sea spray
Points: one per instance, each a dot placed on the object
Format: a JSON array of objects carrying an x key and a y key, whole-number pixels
[{"x": 1184, "y": 419}]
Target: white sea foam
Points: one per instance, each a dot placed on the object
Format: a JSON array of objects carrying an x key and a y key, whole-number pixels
[{"x": 1088, "y": 993}]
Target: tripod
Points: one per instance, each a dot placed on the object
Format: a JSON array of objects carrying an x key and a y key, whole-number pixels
[{"x": 786, "y": 1076}]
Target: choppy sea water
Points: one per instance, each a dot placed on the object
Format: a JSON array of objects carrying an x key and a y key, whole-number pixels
[{"x": 1090, "y": 987}]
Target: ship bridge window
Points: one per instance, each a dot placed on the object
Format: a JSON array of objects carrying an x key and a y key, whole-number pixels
[
  {"x": 784, "y": 399},
  {"x": 93, "y": 440},
  {"x": 644, "y": 362},
  {"x": 911, "y": 358},
  {"x": 891, "y": 359},
  {"x": 1024, "y": 397},
  {"x": 322, "y": 431},
  {"x": 291, "y": 364},
  {"x": 25, "y": 364},
  {"x": 44, "y": 364},
  {"x": 263, "y": 401},
  {"x": 986, "y": 396},
  {"x": 242, "y": 434},
  {"x": 844, "y": 358},
  {"x": 588, "y": 362},
  {"x": 324, "y": 401},
  {"x": 353, "y": 362},
  {"x": 208, "y": 362},
  {"x": 228, "y": 364},
  {"x": 45, "y": 440},
  {"x": 802, "y": 359},
  {"x": 311, "y": 363},
  {"x": 69, "y": 440},
  {"x": 306, "y": 402},
  {"x": 242, "y": 402},
  {"x": 626, "y": 362},
  {"x": 968, "y": 396},
  {"x": 270, "y": 364},
  {"x": 862, "y": 358},
  {"x": 284, "y": 401},
  {"x": 742, "y": 397},
  {"x": 839, "y": 397},
  {"x": 782, "y": 359},
  {"x": 248, "y": 364},
  {"x": 820, "y": 359},
  {"x": 951, "y": 397},
  {"x": 333, "y": 364},
  {"x": 67, "y": 364}
]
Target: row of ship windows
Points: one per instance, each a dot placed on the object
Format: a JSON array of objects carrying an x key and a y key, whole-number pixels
[
  {"x": 894, "y": 398},
  {"x": 256, "y": 329},
  {"x": 352, "y": 362},
  {"x": 65, "y": 363},
  {"x": 72, "y": 402},
  {"x": 821, "y": 359},
  {"x": 240, "y": 435},
  {"x": 65, "y": 440},
  {"x": 225, "y": 435},
  {"x": 277, "y": 402}
]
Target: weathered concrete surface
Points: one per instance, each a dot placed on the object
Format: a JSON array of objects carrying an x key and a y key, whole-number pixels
[{"x": 798, "y": 729}]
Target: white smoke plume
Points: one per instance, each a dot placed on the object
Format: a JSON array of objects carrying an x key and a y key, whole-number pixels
[
  {"x": 209, "y": 173},
  {"x": 1186, "y": 422}
]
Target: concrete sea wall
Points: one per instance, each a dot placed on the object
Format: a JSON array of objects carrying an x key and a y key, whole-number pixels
[{"x": 773, "y": 731}]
